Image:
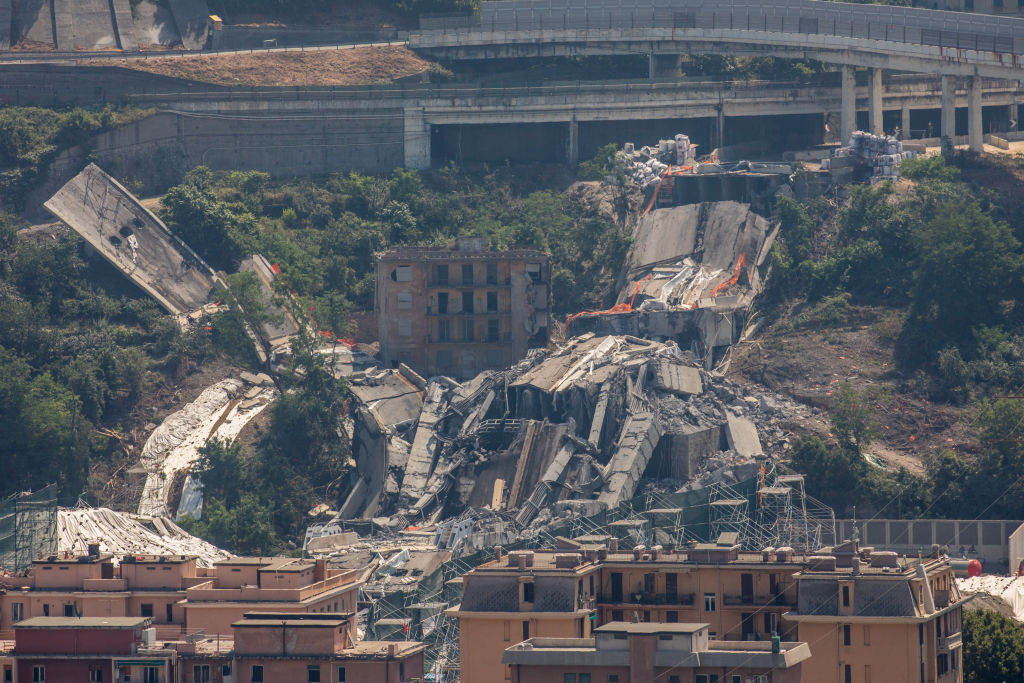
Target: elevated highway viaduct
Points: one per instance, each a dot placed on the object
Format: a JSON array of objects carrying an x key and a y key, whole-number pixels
[
  {"x": 950, "y": 45},
  {"x": 234, "y": 128}
]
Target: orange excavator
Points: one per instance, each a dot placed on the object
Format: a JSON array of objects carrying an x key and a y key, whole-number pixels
[{"x": 617, "y": 308}]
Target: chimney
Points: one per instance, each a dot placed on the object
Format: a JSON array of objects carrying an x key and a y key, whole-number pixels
[
  {"x": 497, "y": 553},
  {"x": 320, "y": 571},
  {"x": 638, "y": 552},
  {"x": 656, "y": 552},
  {"x": 391, "y": 650},
  {"x": 768, "y": 554},
  {"x": 613, "y": 545},
  {"x": 855, "y": 564},
  {"x": 822, "y": 563}
]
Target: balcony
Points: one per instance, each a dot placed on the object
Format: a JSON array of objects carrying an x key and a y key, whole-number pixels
[
  {"x": 505, "y": 338},
  {"x": 757, "y": 601},
  {"x": 455, "y": 283},
  {"x": 682, "y": 599},
  {"x": 483, "y": 313},
  {"x": 950, "y": 642}
]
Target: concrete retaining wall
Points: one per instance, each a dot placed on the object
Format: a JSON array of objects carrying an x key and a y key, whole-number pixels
[{"x": 246, "y": 37}]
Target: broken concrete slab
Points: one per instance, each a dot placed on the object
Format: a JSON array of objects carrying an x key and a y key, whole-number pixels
[
  {"x": 135, "y": 241},
  {"x": 281, "y": 325},
  {"x": 640, "y": 436},
  {"x": 742, "y": 435},
  {"x": 677, "y": 378}
]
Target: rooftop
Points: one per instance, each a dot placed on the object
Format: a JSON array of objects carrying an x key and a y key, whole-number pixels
[
  {"x": 646, "y": 628},
  {"x": 83, "y": 622},
  {"x": 379, "y": 649}
]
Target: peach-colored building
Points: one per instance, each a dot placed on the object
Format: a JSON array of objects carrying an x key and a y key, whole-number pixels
[
  {"x": 304, "y": 648},
  {"x": 247, "y": 584},
  {"x": 874, "y": 616},
  {"x": 633, "y": 652},
  {"x": 173, "y": 592}
]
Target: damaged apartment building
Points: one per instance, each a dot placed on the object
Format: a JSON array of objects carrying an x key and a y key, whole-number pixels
[{"x": 461, "y": 309}]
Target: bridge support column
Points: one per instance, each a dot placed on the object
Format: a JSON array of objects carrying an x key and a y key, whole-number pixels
[
  {"x": 665, "y": 66},
  {"x": 975, "y": 131},
  {"x": 875, "y": 102},
  {"x": 417, "y": 139},
  {"x": 905, "y": 122},
  {"x": 848, "y": 115},
  {"x": 947, "y": 124},
  {"x": 572, "y": 147}
]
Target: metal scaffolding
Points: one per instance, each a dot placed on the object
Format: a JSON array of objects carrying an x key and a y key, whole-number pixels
[{"x": 28, "y": 528}]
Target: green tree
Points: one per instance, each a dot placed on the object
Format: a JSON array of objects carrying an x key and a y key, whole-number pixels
[
  {"x": 220, "y": 469},
  {"x": 993, "y": 648}
]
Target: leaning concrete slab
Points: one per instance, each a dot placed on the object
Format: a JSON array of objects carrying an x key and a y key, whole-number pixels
[
  {"x": 677, "y": 378},
  {"x": 282, "y": 325},
  {"x": 135, "y": 241},
  {"x": 425, "y": 443},
  {"x": 742, "y": 435},
  {"x": 193, "y": 20},
  {"x": 124, "y": 25},
  {"x": 63, "y": 25},
  {"x": 640, "y": 437},
  {"x": 93, "y": 25}
]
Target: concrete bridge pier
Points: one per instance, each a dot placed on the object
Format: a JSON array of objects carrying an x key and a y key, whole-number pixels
[
  {"x": 417, "y": 139},
  {"x": 572, "y": 144},
  {"x": 664, "y": 66},
  {"x": 905, "y": 121},
  {"x": 947, "y": 122},
  {"x": 848, "y": 115},
  {"x": 875, "y": 101},
  {"x": 975, "y": 130}
]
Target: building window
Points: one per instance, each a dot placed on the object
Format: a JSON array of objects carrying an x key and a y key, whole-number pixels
[
  {"x": 95, "y": 674},
  {"x": 616, "y": 615},
  {"x": 737, "y": 679},
  {"x": 954, "y": 657},
  {"x": 846, "y": 634},
  {"x": 441, "y": 275},
  {"x": 867, "y": 634},
  {"x": 942, "y": 665},
  {"x": 467, "y": 302},
  {"x": 709, "y": 602},
  {"x": 442, "y": 302},
  {"x": 256, "y": 674},
  {"x": 533, "y": 270},
  {"x": 847, "y": 673},
  {"x": 151, "y": 674},
  {"x": 492, "y": 330},
  {"x": 613, "y": 678},
  {"x": 568, "y": 678},
  {"x": 770, "y": 622},
  {"x": 712, "y": 635},
  {"x": 404, "y": 328},
  {"x": 997, "y": 4},
  {"x": 200, "y": 673},
  {"x": 8, "y": 675},
  {"x": 528, "y": 592},
  {"x": 492, "y": 268},
  {"x": 403, "y": 274},
  {"x": 846, "y": 596},
  {"x": 69, "y": 610},
  {"x": 405, "y": 300},
  {"x": 38, "y": 674},
  {"x": 146, "y": 610},
  {"x": 467, "y": 330},
  {"x": 444, "y": 330},
  {"x": 467, "y": 273},
  {"x": 46, "y": 610},
  {"x": 225, "y": 670},
  {"x": 699, "y": 678},
  {"x": 672, "y": 617},
  {"x": 673, "y": 679},
  {"x": 969, "y": 4},
  {"x": 341, "y": 674},
  {"x": 492, "y": 301},
  {"x": 526, "y": 630},
  {"x": 17, "y": 611},
  {"x": 313, "y": 673}
]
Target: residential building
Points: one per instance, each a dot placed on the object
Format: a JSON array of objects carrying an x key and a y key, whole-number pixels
[
  {"x": 176, "y": 595},
  {"x": 247, "y": 584},
  {"x": 93, "y": 649},
  {"x": 875, "y": 616},
  {"x": 458, "y": 310},
  {"x": 304, "y": 648},
  {"x": 741, "y": 596},
  {"x": 674, "y": 653}
]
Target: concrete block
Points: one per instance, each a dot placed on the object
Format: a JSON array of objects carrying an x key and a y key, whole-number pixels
[{"x": 742, "y": 435}]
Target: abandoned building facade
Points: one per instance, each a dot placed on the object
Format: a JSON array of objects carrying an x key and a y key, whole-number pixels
[
  {"x": 458, "y": 310},
  {"x": 864, "y": 614}
]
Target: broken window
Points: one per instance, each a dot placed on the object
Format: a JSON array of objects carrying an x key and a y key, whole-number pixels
[
  {"x": 444, "y": 330},
  {"x": 441, "y": 275},
  {"x": 493, "y": 330},
  {"x": 467, "y": 274},
  {"x": 467, "y": 302},
  {"x": 492, "y": 301},
  {"x": 404, "y": 328},
  {"x": 405, "y": 300},
  {"x": 533, "y": 270},
  {"x": 442, "y": 302},
  {"x": 492, "y": 273},
  {"x": 402, "y": 274}
]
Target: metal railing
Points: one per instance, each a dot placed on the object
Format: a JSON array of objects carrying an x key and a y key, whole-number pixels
[{"x": 872, "y": 22}]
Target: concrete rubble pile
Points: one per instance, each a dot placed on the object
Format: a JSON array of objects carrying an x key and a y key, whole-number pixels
[
  {"x": 567, "y": 432},
  {"x": 647, "y": 165},
  {"x": 877, "y": 156}
]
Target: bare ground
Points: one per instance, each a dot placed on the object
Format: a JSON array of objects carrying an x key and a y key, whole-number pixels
[
  {"x": 810, "y": 364},
  {"x": 349, "y": 66}
]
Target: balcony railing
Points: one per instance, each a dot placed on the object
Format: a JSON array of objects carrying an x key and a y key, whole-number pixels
[
  {"x": 950, "y": 641},
  {"x": 648, "y": 599},
  {"x": 779, "y": 600},
  {"x": 456, "y": 283}
]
